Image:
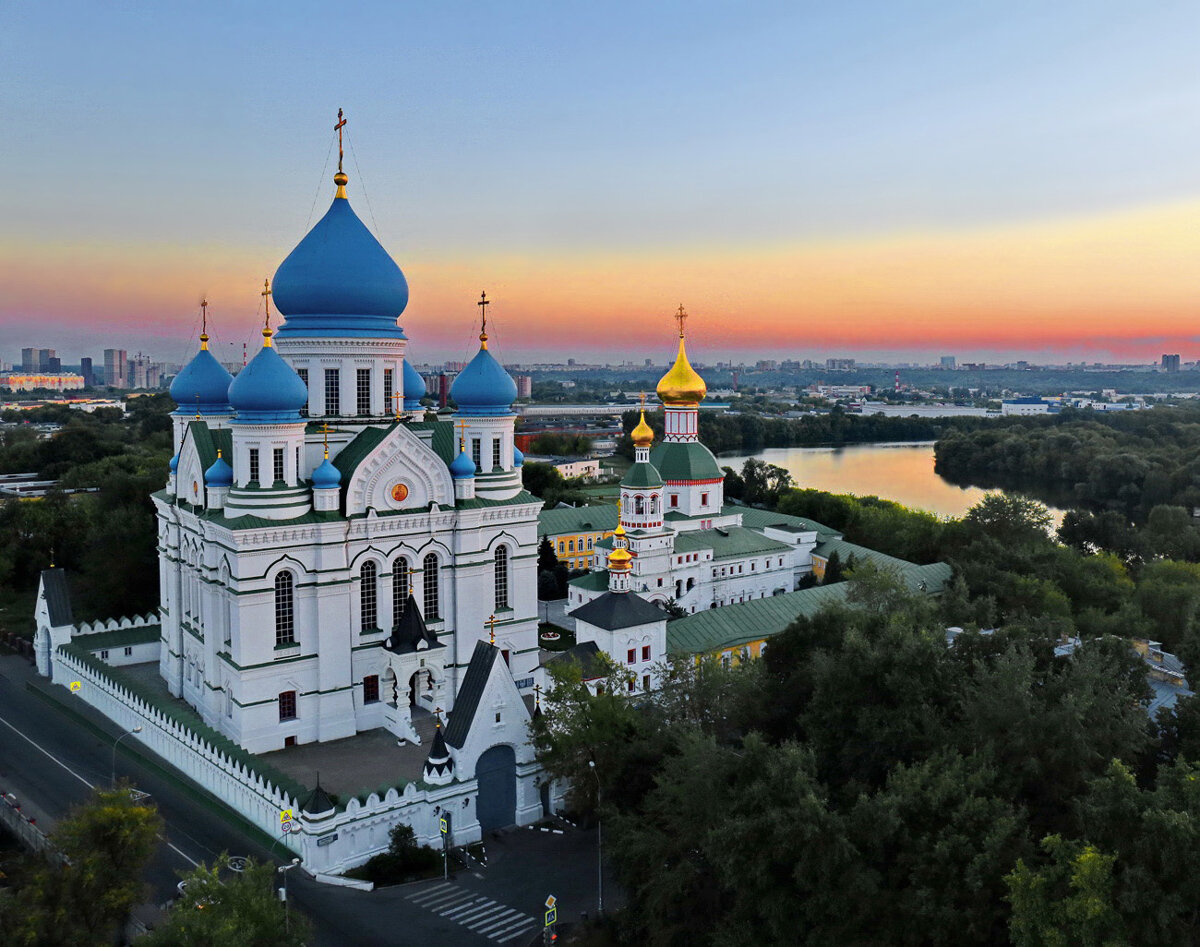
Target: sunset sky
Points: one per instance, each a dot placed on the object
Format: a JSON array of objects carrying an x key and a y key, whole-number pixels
[{"x": 872, "y": 179}]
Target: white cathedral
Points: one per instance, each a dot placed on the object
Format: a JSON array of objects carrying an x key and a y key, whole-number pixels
[{"x": 329, "y": 558}]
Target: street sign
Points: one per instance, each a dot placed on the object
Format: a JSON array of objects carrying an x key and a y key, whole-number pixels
[
  {"x": 75, "y": 685},
  {"x": 327, "y": 839},
  {"x": 445, "y": 828},
  {"x": 285, "y": 815},
  {"x": 551, "y": 901},
  {"x": 551, "y": 917},
  {"x": 237, "y": 863}
]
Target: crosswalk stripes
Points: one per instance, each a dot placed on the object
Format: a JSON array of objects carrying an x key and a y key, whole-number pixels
[{"x": 475, "y": 912}]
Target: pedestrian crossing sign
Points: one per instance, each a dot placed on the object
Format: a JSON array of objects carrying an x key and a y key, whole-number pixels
[
  {"x": 445, "y": 828},
  {"x": 551, "y": 917}
]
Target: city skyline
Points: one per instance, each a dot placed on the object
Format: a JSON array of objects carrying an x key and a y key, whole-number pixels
[{"x": 1006, "y": 182}]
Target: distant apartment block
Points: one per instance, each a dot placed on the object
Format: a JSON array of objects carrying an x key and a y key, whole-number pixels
[
  {"x": 85, "y": 369},
  {"x": 31, "y": 381},
  {"x": 116, "y": 368},
  {"x": 1170, "y": 363},
  {"x": 948, "y": 361},
  {"x": 37, "y": 360},
  {"x": 839, "y": 364},
  {"x": 524, "y": 386}
]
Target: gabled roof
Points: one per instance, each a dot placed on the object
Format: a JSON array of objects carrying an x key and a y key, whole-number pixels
[
  {"x": 614, "y": 610},
  {"x": 760, "y": 519},
  {"x": 471, "y": 692},
  {"x": 208, "y": 441},
  {"x": 443, "y": 437},
  {"x": 728, "y": 542},
  {"x": 354, "y": 453},
  {"x": 733, "y": 625},
  {"x": 582, "y": 519},
  {"x": 588, "y": 656},
  {"x": 58, "y": 597},
  {"x": 410, "y": 631}
]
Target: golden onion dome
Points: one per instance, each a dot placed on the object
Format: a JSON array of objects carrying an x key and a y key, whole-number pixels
[
  {"x": 643, "y": 434},
  {"x": 619, "y": 559},
  {"x": 681, "y": 385},
  {"x": 619, "y": 531}
]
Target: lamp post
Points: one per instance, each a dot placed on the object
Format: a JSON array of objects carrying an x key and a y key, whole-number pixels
[
  {"x": 287, "y": 915},
  {"x": 599, "y": 845},
  {"x": 137, "y": 729}
]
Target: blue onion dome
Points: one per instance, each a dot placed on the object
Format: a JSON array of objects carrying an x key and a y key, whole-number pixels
[
  {"x": 326, "y": 476},
  {"x": 518, "y": 457},
  {"x": 340, "y": 281},
  {"x": 414, "y": 387},
  {"x": 462, "y": 466},
  {"x": 202, "y": 385},
  {"x": 220, "y": 474},
  {"x": 174, "y": 464},
  {"x": 484, "y": 387},
  {"x": 267, "y": 389}
]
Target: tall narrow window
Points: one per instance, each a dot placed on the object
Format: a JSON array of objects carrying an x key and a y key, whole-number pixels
[
  {"x": 277, "y": 465},
  {"x": 285, "y": 613},
  {"x": 254, "y": 465},
  {"x": 501, "y": 577},
  {"x": 430, "y": 582},
  {"x": 399, "y": 588},
  {"x": 333, "y": 394},
  {"x": 367, "y": 597},
  {"x": 363, "y": 392},
  {"x": 388, "y": 404},
  {"x": 303, "y": 373},
  {"x": 495, "y": 453},
  {"x": 287, "y": 705},
  {"x": 371, "y": 689},
  {"x": 475, "y": 453}
]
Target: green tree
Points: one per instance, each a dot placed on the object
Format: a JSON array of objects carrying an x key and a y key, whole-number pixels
[
  {"x": 1067, "y": 901},
  {"x": 223, "y": 907}
]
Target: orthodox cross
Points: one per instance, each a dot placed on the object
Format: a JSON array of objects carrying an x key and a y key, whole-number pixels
[
  {"x": 462, "y": 436},
  {"x": 396, "y": 403},
  {"x": 325, "y": 431},
  {"x": 197, "y": 407},
  {"x": 681, "y": 318},
  {"x": 483, "y": 303},
  {"x": 437, "y": 712},
  {"x": 266, "y": 295},
  {"x": 341, "y": 122},
  {"x": 537, "y": 695},
  {"x": 204, "y": 323},
  {"x": 492, "y": 629}
]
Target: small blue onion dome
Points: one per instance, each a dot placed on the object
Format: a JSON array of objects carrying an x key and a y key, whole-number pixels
[
  {"x": 484, "y": 387},
  {"x": 326, "y": 476},
  {"x": 267, "y": 389},
  {"x": 518, "y": 457},
  {"x": 202, "y": 385},
  {"x": 414, "y": 387},
  {"x": 220, "y": 474},
  {"x": 174, "y": 464},
  {"x": 462, "y": 466},
  {"x": 339, "y": 281}
]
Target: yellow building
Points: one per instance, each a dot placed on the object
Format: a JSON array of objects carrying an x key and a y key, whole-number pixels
[{"x": 574, "y": 532}]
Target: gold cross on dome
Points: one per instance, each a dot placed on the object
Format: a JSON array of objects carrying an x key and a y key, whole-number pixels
[
  {"x": 341, "y": 122},
  {"x": 437, "y": 712},
  {"x": 396, "y": 402},
  {"x": 266, "y": 295},
  {"x": 204, "y": 322},
  {"x": 681, "y": 318},
  {"x": 483, "y": 303},
  {"x": 537, "y": 694},
  {"x": 462, "y": 436},
  {"x": 492, "y": 629}
]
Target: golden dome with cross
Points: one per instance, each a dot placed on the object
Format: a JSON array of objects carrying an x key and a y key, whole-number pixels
[{"x": 681, "y": 385}]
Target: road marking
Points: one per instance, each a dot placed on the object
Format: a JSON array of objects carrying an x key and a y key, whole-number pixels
[
  {"x": 468, "y": 906},
  {"x": 89, "y": 785},
  {"x": 499, "y": 920},
  {"x": 47, "y": 752},
  {"x": 475, "y": 914},
  {"x": 422, "y": 895},
  {"x": 514, "y": 932},
  {"x": 511, "y": 924},
  {"x": 445, "y": 899},
  {"x": 496, "y": 921}
]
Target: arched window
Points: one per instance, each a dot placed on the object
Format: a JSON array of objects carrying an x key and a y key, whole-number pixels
[
  {"x": 501, "y": 577},
  {"x": 367, "y": 595},
  {"x": 399, "y": 588},
  {"x": 639, "y": 506},
  {"x": 429, "y": 581},
  {"x": 285, "y": 610},
  {"x": 653, "y": 503}
]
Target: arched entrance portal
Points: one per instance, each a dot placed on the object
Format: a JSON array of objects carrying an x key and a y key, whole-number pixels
[
  {"x": 420, "y": 687},
  {"x": 390, "y": 690},
  {"x": 497, "y": 776}
]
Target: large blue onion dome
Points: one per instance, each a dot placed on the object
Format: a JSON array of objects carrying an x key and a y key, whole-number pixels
[
  {"x": 326, "y": 476},
  {"x": 267, "y": 389},
  {"x": 340, "y": 281},
  {"x": 518, "y": 457},
  {"x": 462, "y": 466},
  {"x": 174, "y": 464},
  {"x": 220, "y": 474},
  {"x": 414, "y": 387},
  {"x": 484, "y": 387},
  {"x": 203, "y": 385}
]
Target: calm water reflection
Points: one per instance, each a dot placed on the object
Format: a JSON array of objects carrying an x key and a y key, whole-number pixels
[{"x": 900, "y": 472}]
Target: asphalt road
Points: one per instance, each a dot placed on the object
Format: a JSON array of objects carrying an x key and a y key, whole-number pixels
[{"x": 51, "y": 754}]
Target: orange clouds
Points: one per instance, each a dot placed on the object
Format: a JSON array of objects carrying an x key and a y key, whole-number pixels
[{"x": 1100, "y": 281}]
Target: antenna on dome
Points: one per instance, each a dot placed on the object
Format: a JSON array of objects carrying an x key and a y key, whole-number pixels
[
  {"x": 681, "y": 318},
  {"x": 266, "y": 295},
  {"x": 341, "y": 178},
  {"x": 483, "y": 303}
]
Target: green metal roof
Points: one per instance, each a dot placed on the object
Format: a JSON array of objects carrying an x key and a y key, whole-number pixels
[
  {"x": 592, "y": 582},
  {"x": 579, "y": 519},
  {"x": 354, "y": 453},
  {"x": 733, "y": 625},
  {"x": 930, "y": 578},
  {"x": 760, "y": 519},
  {"x": 728, "y": 542},
  {"x": 686, "y": 461},
  {"x": 443, "y": 437},
  {"x": 119, "y": 638},
  {"x": 642, "y": 476},
  {"x": 209, "y": 441}
]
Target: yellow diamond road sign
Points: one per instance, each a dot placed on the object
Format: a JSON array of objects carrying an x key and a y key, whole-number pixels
[{"x": 551, "y": 901}]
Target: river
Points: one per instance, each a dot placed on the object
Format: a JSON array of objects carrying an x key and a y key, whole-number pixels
[{"x": 900, "y": 471}]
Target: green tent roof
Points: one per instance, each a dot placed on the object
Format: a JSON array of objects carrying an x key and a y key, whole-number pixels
[
  {"x": 686, "y": 461},
  {"x": 641, "y": 476}
]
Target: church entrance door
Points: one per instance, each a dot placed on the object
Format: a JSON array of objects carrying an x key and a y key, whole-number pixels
[{"x": 497, "y": 776}]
